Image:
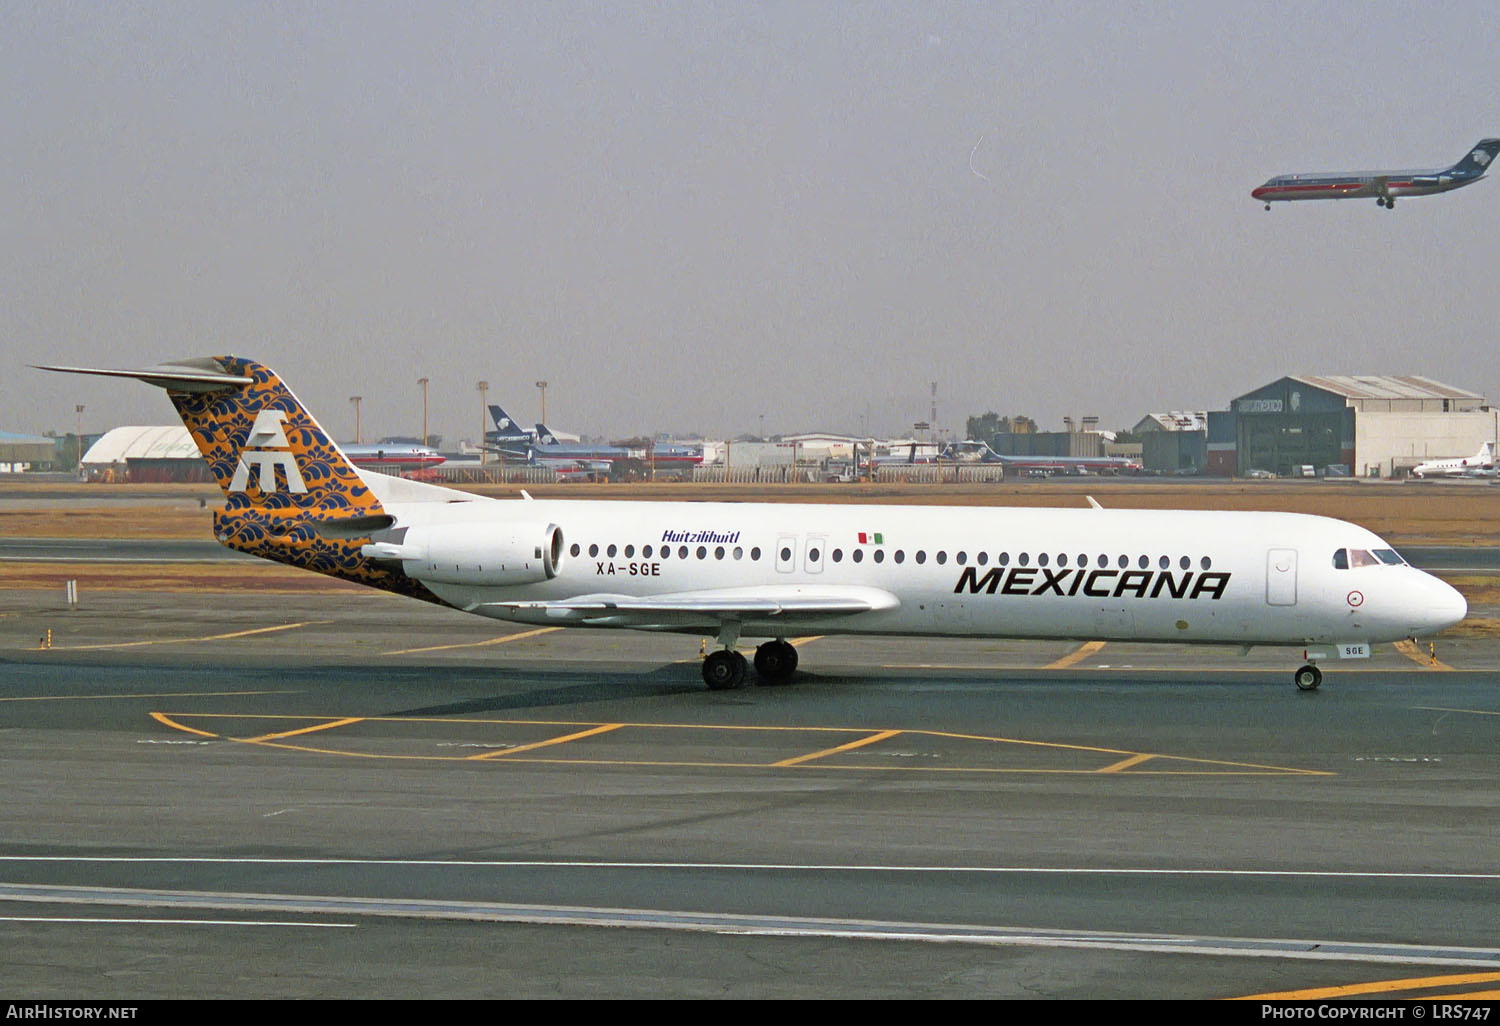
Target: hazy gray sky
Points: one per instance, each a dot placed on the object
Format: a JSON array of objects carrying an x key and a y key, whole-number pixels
[{"x": 687, "y": 216}]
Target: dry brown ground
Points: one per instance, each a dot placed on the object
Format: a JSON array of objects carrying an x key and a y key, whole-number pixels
[{"x": 1404, "y": 514}]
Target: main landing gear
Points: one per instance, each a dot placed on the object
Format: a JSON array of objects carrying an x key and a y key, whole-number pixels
[
  {"x": 726, "y": 668},
  {"x": 723, "y": 669},
  {"x": 1389, "y": 202},
  {"x": 1308, "y": 678}
]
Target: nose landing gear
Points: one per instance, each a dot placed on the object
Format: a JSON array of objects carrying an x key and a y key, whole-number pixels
[{"x": 1308, "y": 678}]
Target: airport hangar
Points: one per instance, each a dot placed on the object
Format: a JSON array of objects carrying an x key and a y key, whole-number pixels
[
  {"x": 145, "y": 453},
  {"x": 1362, "y": 425}
]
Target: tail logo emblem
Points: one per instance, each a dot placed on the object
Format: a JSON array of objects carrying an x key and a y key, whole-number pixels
[
  {"x": 266, "y": 449},
  {"x": 1480, "y": 157}
]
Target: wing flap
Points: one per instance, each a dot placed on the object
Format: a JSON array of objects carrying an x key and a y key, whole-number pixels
[{"x": 786, "y": 603}]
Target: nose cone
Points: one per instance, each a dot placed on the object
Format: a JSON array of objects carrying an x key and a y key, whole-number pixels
[
  {"x": 1258, "y": 192},
  {"x": 1443, "y": 607}
]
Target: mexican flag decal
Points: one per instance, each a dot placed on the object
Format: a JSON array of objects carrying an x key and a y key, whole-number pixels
[{"x": 870, "y": 539}]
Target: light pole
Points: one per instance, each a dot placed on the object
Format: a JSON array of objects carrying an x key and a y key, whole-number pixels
[
  {"x": 543, "y": 386},
  {"x": 79, "y": 436},
  {"x": 358, "y": 438},
  {"x": 423, "y": 383},
  {"x": 483, "y": 386}
]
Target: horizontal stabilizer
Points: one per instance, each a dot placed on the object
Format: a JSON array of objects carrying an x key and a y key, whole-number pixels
[{"x": 199, "y": 374}]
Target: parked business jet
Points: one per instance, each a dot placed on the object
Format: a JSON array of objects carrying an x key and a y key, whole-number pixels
[
  {"x": 1384, "y": 186},
  {"x": 776, "y": 570},
  {"x": 1481, "y": 464}
]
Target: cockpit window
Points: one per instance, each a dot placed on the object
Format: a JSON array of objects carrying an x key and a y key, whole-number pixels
[
  {"x": 1345, "y": 559},
  {"x": 1355, "y": 558}
]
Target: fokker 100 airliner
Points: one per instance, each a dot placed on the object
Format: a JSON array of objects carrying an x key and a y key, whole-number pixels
[
  {"x": 776, "y": 570},
  {"x": 1384, "y": 186}
]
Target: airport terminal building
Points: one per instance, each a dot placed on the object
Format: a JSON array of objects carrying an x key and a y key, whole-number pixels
[{"x": 1364, "y": 425}]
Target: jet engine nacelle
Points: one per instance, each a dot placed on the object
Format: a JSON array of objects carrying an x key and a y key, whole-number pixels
[{"x": 483, "y": 554}]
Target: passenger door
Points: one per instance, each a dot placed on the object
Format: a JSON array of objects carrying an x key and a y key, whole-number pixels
[{"x": 1281, "y": 577}]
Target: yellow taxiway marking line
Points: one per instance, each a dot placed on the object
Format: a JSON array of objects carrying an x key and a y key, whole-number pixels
[
  {"x": 303, "y": 730},
  {"x": 1079, "y": 654},
  {"x": 1123, "y": 757},
  {"x": 1378, "y": 987},
  {"x": 1471, "y": 712},
  {"x": 167, "y": 721},
  {"x": 807, "y": 640},
  {"x": 476, "y": 644},
  {"x": 178, "y": 641},
  {"x": 1409, "y": 649},
  {"x": 602, "y": 729},
  {"x": 1124, "y": 764},
  {"x": 798, "y": 760}
]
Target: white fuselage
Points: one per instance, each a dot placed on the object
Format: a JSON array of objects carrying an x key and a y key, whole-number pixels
[{"x": 1206, "y": 577}]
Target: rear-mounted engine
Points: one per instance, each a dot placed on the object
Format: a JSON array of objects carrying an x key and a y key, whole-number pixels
[{"x": 478, "y": 554}]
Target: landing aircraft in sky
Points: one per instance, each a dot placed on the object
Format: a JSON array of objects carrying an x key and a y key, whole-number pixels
[
  {"x": 1481, "y": 464},
  {"x": 777, "y": 570},
  {"x": 1383, "y": 186}
]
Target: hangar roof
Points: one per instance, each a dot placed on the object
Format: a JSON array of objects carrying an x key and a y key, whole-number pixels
[
  {"x": 1386, "y": 386},
  {"x": 1173, "y": 420},
  {"x": 158, "y": 443}
]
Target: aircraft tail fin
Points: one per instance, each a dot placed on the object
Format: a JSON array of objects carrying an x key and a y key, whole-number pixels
[
  {"x": 544, "y": 436},
  {"x": 1478, "y": 159},
  {"x": 290, "y": 493},
  {"x": 506, "y": 427}
]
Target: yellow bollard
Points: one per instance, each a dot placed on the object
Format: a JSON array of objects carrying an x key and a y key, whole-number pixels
[{"x": 1432, "y": 651}]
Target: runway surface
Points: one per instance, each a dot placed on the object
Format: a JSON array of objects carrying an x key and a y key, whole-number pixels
[{"x": 353, "y": 795}]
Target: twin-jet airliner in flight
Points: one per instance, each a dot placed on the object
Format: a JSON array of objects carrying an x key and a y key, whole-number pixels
[
  {"x": 778, "y": 570},
  {"x": 1383, "y": 186}
]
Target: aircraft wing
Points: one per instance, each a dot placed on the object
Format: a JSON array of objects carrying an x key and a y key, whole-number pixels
[{"x": 787, "y": 603}]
